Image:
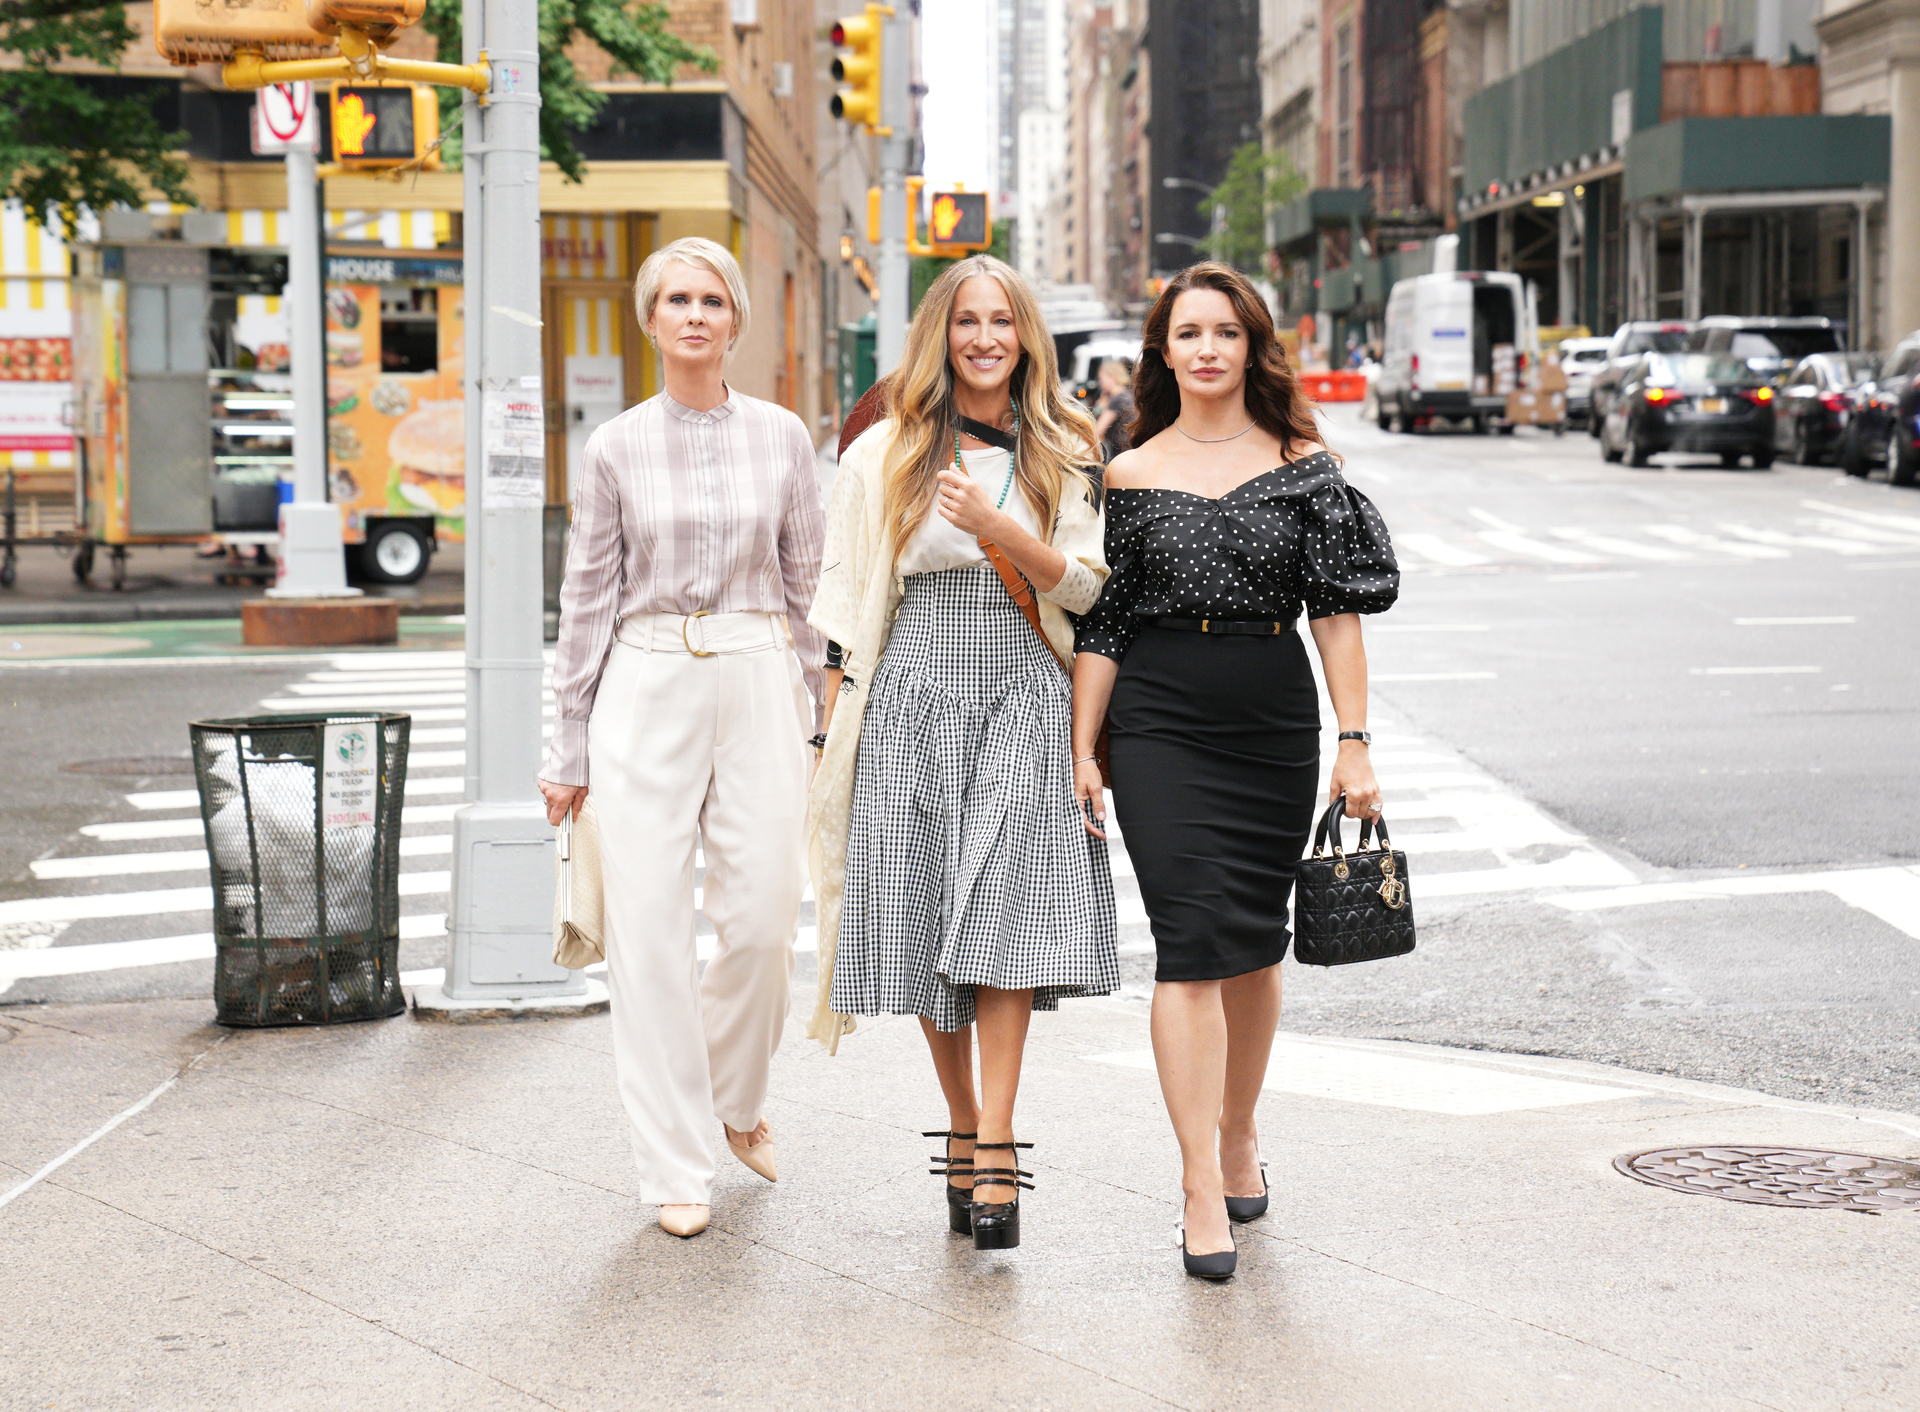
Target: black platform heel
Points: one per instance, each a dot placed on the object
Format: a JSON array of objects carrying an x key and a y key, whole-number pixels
[
  {"x": 1250, "y": 1208},
  {"x": 996, "y": 1224},
  {"x": 1218, "y": 1266},
  {"x": 959, "y": 1198}
]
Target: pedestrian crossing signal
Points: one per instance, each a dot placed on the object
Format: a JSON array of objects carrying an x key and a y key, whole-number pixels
[
  {"x": 959, "y": 220},
  {"x": 385, "y": 125}
]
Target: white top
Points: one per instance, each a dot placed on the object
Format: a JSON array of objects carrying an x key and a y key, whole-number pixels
[{"x": 939, "y": 544}]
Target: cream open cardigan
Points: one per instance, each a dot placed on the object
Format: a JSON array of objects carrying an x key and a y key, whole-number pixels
[{"x": 855, "y": 606}]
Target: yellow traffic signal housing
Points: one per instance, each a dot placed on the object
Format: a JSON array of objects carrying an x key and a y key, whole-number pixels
[
  {"x": 378, "y": 19},
  {"x": 377, "y": 126},
  {"x": 859, "y": 102},
  {"x": 192, "y": 32}
]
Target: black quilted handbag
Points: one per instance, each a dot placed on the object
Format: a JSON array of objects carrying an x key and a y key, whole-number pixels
[{"x": 1351, "y": 907}]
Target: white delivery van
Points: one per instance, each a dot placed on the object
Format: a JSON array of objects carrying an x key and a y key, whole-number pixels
[{"x": 1456, "y": 345}]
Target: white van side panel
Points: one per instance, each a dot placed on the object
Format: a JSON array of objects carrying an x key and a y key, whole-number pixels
[{"x": 1443, "y": 332}]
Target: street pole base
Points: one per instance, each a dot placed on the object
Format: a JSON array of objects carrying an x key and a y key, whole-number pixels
[
  {"x": 319, "y": 622},
  {"x": 431, "y": 1002}
]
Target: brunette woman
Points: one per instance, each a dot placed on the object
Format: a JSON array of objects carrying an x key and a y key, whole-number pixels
[
  {"x": 693, "y": 555},
  {"x": 949, "y": 861},
  {"x": 1225, "y": 519}
]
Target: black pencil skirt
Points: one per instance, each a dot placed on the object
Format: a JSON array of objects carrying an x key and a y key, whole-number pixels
[{"x": 1216, "y": 769}]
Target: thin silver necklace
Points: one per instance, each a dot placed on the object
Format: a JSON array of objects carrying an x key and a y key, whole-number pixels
[{"x": 1210, "y": 440}]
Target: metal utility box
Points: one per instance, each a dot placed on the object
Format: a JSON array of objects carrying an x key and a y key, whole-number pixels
[{"x": 857, "y": 371}]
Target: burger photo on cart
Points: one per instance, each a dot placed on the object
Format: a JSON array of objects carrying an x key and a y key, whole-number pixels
[{"x": 428, "y": 451}]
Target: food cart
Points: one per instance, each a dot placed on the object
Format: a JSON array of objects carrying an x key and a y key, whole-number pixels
[
  {"x": 183, "y": 427},
  {"x": 396, "y": 434}
]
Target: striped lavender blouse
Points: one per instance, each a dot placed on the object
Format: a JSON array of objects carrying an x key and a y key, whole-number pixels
[{"x": 677, "y": 511}]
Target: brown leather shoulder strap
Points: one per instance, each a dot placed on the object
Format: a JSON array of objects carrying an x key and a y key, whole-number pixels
[{"x": 1022, "y": 594}]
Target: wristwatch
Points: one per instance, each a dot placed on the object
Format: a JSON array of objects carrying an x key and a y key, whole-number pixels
[{"x": 1364, "y": 737}]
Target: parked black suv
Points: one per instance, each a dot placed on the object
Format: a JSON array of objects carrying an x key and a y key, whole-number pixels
[
  {"x": 1769, "y": 346},
  {"x": 1885, "y": 424},
  {"x": 1630, "y": 341}
]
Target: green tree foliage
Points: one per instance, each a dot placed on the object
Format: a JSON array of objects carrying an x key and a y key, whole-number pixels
[
  {"x": 634, "y": 35},
  {"x": 69, "y": 141},
  {"x": 1256, "y": 181}
]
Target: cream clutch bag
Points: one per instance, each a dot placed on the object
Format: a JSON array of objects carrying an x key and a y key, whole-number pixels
[{"x": 579, "y": 906}]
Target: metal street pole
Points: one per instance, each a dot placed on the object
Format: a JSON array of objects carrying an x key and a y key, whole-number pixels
[
  {"x": 500, "y": 949},
  {"x": 312, "y": 563},
  {"x": 896, "y": 149}
]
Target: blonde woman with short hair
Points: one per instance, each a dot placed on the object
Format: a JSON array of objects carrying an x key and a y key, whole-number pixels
[
  {"x": 693, "y": 555},
  {"x": 953, "y": 876}
]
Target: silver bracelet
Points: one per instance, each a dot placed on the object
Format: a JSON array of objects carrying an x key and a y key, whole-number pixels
[{"x": 1084, "y": 758}]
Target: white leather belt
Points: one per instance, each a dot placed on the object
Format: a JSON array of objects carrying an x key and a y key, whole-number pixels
[{"x": 703, "y": 634}]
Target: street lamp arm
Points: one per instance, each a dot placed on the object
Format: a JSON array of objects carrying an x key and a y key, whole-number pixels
[
  {"x": 1173, "y": 239},
  {"x": 1172, "y": 182}
]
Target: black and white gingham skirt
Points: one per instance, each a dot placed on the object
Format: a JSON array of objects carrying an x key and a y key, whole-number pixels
[{"x": 967, "y": 863}]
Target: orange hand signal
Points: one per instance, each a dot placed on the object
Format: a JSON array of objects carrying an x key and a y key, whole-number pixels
[
  {"x": 946, "y": 216},
  {"x": 351, "y": 124}
]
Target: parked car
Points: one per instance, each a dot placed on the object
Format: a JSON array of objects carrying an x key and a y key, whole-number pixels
[
  {"x": 1812, "y": 411},
  {"x": 1630, "y": 342},
  {"x": 1885, "y": 425},
  {"x": 1768, "y": 345},
  {"x": 1690, "y": 402},
  {"x": 1079, "y": 375},
  {"x": 1439, "y": 357},
  {"x": 1580, "y": 360}
]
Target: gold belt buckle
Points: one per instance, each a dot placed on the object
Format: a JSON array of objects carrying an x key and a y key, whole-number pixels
[
  {"x": 696, "y": 651},
  {"x": 1206, "y": 625}
]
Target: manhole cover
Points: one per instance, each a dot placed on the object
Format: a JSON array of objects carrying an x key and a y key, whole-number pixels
[
  {"x": 1781, "y": 1176},
  {"x": 138, "y": 765}
]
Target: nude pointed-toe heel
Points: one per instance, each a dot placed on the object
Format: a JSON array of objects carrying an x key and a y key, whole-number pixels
[
  {"x": 758, "y": 1158},
  {"x": 685, "y": 1220}
]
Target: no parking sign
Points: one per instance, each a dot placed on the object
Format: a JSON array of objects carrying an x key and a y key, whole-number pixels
[{"x": 284, "y": 119}]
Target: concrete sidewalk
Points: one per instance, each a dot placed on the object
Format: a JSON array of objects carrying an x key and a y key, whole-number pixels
[{"x": 416, "y": 1215}]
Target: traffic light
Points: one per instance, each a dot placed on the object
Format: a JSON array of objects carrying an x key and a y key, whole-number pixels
[
  {"x": 958, "y": 220},
  {"x": 859, "y": 102},
  {"x": 384, "y": 125},
  {"x": 186, "y": 32}
]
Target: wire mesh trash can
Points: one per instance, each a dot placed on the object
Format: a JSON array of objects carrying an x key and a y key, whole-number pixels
[{"x": 302, "y": 815}]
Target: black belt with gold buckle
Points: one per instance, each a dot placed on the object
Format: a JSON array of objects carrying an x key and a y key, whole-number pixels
[{"x": 1264, "y": 628}]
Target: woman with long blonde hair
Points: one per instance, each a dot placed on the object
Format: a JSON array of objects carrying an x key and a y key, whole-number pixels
[{"x": 953, "y": 877}]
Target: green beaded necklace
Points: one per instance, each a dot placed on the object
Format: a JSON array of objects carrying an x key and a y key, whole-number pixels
[{"x": 1013, "y": 458}]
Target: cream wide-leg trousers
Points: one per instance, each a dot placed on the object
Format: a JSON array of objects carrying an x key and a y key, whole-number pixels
[{"x": 714, "y": 747}]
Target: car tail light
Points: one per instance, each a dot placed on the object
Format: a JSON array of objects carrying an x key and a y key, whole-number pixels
[
  {"x": 1416, "y": 371},
  {"x": 1759, "y": 395},
  {"x": 1659, "y": 396},
  {"x": 1836, "y": 401}
]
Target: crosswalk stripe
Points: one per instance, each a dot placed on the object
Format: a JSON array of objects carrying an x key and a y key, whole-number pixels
[
  {"x": 1611, "y": 544},
  {"x": 1846, "y": 529},
  {"x": 115, "y": 865},
  {"x": 190, "y": 798},
  {"x": 131, "y": 830},
  {"x": 1433, "y": 547},
  {"x": 1872, "y": 517},
  {"x": 1782, "y": 540},
  {"x": 1537, "y": 549},
  {"x": 86, "y": 958},
  {"x": 1681, "y": 534},
  {"x": 171, "y": 899}
]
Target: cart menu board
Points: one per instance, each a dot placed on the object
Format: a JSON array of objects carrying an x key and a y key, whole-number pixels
[
  {"x": 36, "y": 390},
  {"x": 396, "y": 433}
]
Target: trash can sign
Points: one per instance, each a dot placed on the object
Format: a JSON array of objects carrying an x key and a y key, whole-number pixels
[{"x": 348, "y": 780}]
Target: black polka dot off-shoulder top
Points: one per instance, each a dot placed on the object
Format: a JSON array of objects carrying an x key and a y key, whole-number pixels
[{"x": 1298, "y": 534}]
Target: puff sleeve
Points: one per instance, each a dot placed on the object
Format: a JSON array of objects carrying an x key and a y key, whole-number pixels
[
  {"x": 1346, "y": 562},
  {"x": 1108, "y": 628}
]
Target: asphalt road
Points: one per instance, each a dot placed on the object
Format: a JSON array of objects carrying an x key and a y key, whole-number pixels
[{"x": 1647, "y": 735}]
